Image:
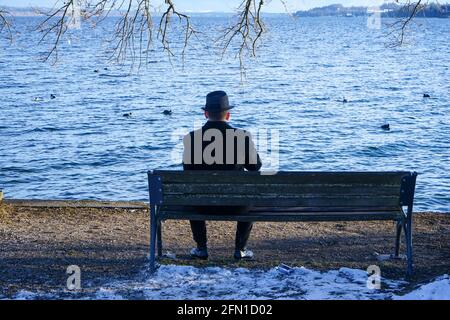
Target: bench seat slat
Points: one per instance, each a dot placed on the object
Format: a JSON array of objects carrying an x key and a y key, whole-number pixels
[
  {"x": 256, "y": 209},
  {"x": 284, "y": 189},
  {"x": 281, "y": 200},
  {"x": 287, "y": 216},
  {"x": 194, "y": 177}
]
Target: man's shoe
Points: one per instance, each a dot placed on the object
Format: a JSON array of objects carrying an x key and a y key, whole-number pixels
[
  {"x": 243, "y": 254},
  {"x": 199, "y": 253}
]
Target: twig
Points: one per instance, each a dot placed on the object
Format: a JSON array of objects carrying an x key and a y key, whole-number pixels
[
  {"x": 6, "y": 24},
  {"x": 164, "y": 24},
  {"x": 247, "y": 30},
  {"x": 55, "y": 22}
]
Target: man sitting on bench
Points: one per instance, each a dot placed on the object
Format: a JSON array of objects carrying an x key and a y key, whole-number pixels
[{"x": 218, "y": 146}]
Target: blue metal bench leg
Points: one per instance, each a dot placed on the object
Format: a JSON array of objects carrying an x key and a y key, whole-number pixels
[
  {"x": 408, "y": 239},
  {"x": 159, "y": 237},
  {"x": 398, "y": 227},
  {"x": 153, "y": 227},
  {"x": 408, "y": 199}
]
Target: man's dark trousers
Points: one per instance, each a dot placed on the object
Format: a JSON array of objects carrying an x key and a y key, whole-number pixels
[{"x": 243, "y": 229}]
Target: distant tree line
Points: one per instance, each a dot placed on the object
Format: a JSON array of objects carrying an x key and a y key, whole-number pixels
[
  {"x": 431, "y": 10},
  {"x": 388, "y": 10}
]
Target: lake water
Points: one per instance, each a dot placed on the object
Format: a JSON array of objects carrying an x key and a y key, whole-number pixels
[{"x": 80, "y": 146}]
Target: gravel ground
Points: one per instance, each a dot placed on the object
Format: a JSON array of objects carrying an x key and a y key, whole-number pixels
[{"x": 109, "y": 241}]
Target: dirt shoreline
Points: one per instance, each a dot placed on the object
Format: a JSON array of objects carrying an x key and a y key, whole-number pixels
[{"x": 109, "y": 241}]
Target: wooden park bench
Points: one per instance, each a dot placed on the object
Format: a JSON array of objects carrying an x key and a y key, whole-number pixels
[{"x": 284, "y": 196}]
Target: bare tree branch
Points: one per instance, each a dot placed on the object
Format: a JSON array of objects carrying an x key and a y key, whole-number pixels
[
  {"x": 133, "y": 32},
  {"x": 247, "y": 30},
  {"x": 399, "y": 28},
  {"x": 55, "y": 22},
  {"x": 164, "y": 25},
  {"x": 6, "y": 24},
  {"x": 134, "y": 23},
  {"x": 134, "y": 29}
]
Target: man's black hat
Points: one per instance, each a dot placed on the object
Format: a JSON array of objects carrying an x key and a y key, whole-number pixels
[{"x": 217, "y": 101}]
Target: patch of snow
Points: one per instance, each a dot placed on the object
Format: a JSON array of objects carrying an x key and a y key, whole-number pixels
[
  {"x": 170, "y": 255},
  {"x": 439, "y": 289},
  {"x": 284, "y": 282},
  {"x": 107, "y": 294},
  {"x": 25, "y": 295},
  {"x": 28, "y": 295},
  {"x": 385, "y": 257},
  {"x": 186, "y": 282}
]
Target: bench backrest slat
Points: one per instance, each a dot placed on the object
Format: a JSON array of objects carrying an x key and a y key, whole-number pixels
[{"x": 303, "y": 189}]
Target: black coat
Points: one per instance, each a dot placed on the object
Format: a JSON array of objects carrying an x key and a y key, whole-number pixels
[{"x": 236, "y": 145}]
